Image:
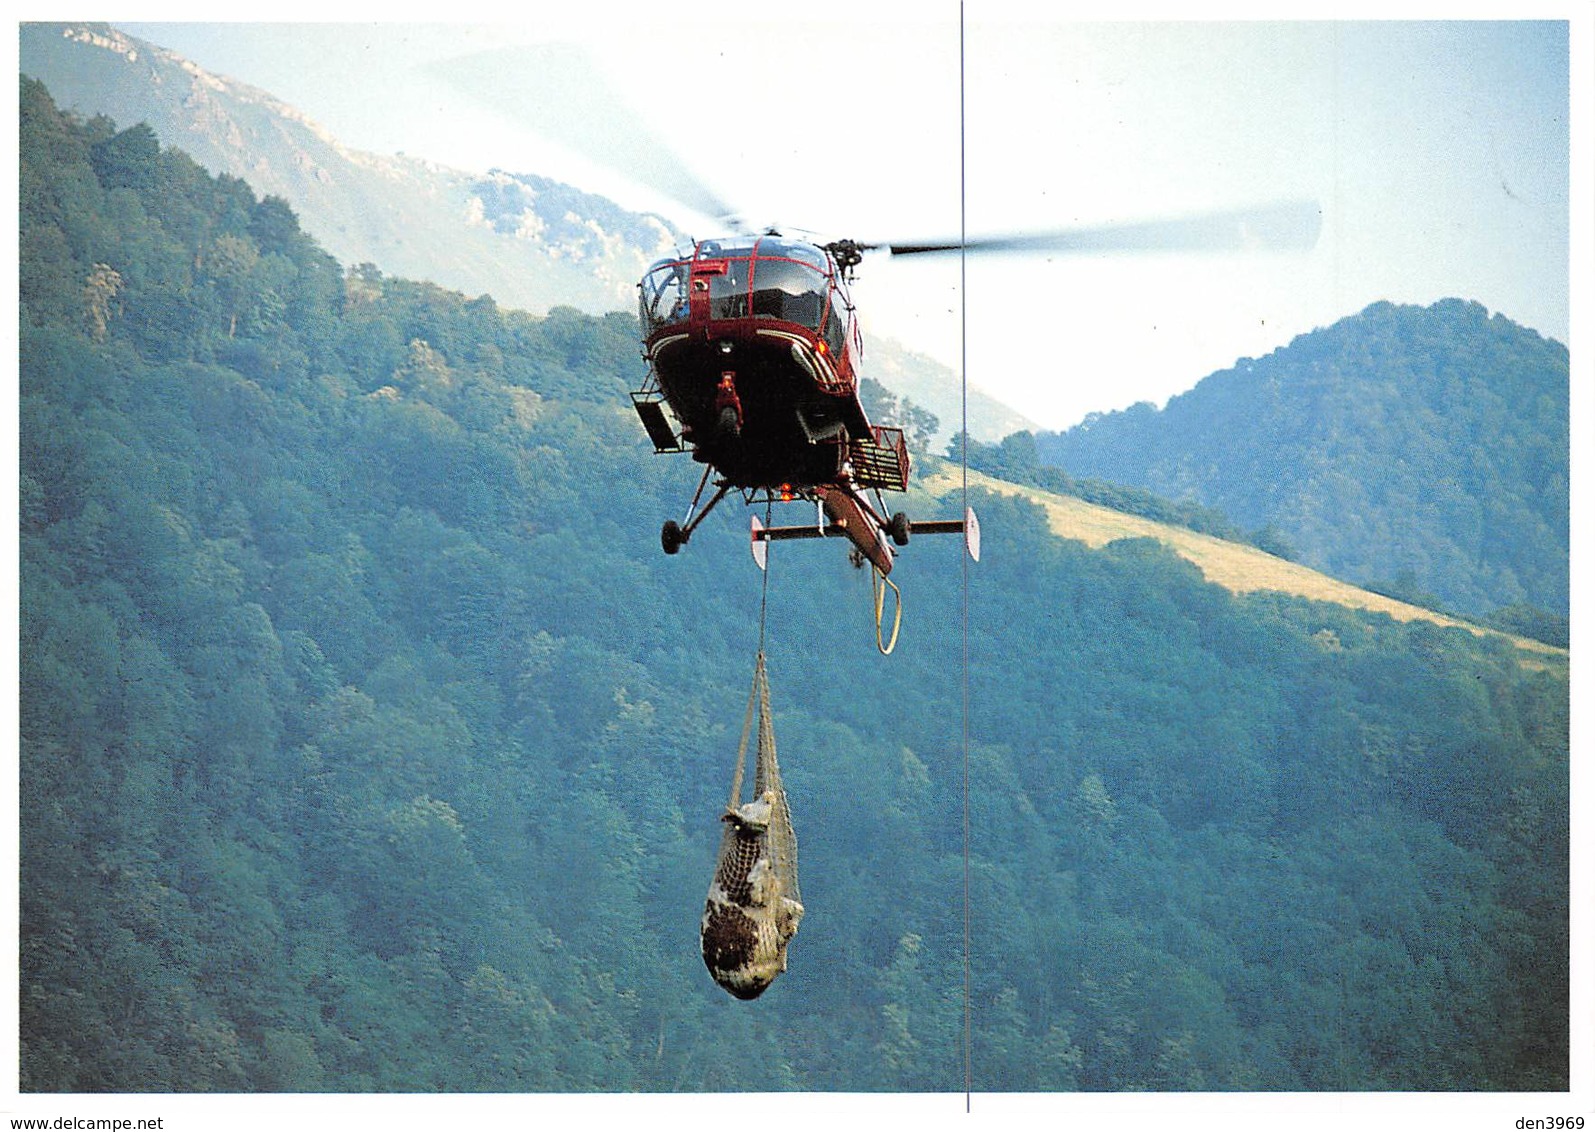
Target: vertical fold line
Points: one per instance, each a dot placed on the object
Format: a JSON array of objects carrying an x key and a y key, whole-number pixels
[{"x": 963, "y": 374}]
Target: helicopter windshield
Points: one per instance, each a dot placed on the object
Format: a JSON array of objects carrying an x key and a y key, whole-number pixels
[
  {"x": 663, "y": 296},
  {"x": 767, "y": 277},
  {"x": 775, "y": 246},
  {"x": 762, "y": 276},
  {"x": 788, "y": 289}
]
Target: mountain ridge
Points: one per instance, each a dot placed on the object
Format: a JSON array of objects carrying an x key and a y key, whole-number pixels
[
  {"x": 410, "y": 216},
  {"x": 1425, "y": 446}
]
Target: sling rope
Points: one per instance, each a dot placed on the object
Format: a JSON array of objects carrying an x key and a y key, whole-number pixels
[
  {"x": 758, "y": 682},
  {"x": 747, "y": 729},
  {"x": 758, "y": 694},
  {"x": 754, "y": 904},
  {"x": 766, "y": 771},
  {"x": 764, "y": 590}
]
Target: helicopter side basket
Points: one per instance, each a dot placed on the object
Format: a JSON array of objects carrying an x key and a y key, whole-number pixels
[{"x": 882, "y": 460}]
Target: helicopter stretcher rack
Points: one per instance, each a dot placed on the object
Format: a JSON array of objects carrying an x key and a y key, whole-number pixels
[
  {"x": 760, "y": 536},
  {"x": 650, "y": 406},
  {"x": 846, "y": 518}
]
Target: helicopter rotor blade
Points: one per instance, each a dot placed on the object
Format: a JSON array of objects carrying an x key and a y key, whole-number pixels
[
  {"x": 541, "y": 86},
  {"x": 1286, "y": 226}
]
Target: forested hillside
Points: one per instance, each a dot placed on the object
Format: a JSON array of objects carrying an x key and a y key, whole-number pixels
[
  {"x": 369, "y": 742},
  {"x": 1419, "y": 450}
]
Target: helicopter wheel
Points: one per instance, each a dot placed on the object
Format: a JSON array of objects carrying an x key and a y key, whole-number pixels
[
  {"x": 729, "y": 427},
  {"x": 670, "y": 536},
  {"x": 898, "y": 528}
]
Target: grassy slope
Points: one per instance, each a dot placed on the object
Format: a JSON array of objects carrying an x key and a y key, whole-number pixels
[{"x": 1237, "y": 567}]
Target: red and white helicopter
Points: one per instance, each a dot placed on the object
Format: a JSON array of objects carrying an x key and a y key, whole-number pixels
[{"x": 753, "y": 348}]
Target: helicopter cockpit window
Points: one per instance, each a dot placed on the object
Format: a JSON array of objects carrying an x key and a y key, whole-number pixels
[
  {"x": 768, "y": 277},
  {"x": 836, "y": 325},
  {"x": 728, "y": 290},
  {"x": 663, "y": 296},
  {"x": 728, "y": 246},
  {"x": 787, "y": 290},
  {"x": 794, "y": 249}
]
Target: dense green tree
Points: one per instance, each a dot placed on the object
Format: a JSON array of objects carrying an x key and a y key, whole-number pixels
[{"x": 128, "y": 160}]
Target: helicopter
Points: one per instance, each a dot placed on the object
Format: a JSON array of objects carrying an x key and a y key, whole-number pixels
[
  {"x": 754, "y": 351},
  {"x": 752, "y": 346}
]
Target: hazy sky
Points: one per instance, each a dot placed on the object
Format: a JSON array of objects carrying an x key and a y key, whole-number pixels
[{"x": 1438, "y": 151}]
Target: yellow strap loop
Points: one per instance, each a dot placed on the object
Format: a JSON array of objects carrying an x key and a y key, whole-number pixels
[{"x": 878, "y": 584}]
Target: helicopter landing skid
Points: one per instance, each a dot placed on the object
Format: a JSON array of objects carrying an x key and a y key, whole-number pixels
[{"x": 673, "y": 535}]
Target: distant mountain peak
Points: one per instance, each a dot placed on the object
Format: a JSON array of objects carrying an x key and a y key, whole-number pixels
[
  {"x": 411, "y": 217},
  {"x": 104, "y": 36}
]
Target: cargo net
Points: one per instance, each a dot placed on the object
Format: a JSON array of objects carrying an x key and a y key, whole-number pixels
[{"x": 754, "y": 905}]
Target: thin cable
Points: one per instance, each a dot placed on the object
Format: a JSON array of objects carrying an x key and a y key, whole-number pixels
[
  {"x": 764, "y": 586},
  {"x": 963, "y": 369}
]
